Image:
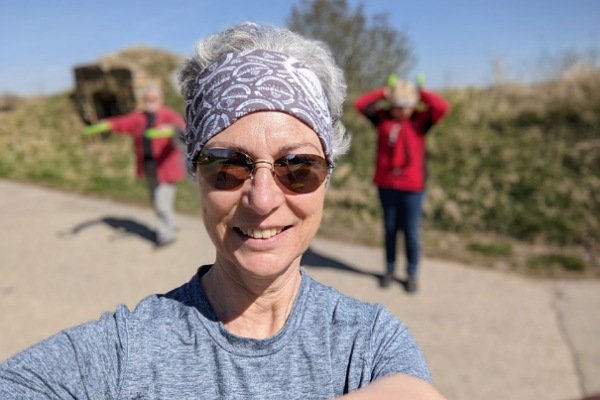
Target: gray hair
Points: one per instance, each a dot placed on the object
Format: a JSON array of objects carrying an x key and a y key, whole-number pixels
[{"x": 249, "y": 36}]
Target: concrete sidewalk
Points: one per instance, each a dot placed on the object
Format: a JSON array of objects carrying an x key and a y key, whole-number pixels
[{"x": 65, "y": 259}]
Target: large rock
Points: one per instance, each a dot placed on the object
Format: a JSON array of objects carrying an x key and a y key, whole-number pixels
[{"x": 111, "y": 86}]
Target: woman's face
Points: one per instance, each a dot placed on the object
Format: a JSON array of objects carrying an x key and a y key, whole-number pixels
[
  {"x": 402, "y": 112},
  {"x": 261, "y": 228},
  {"x": 152, "y": 101}
]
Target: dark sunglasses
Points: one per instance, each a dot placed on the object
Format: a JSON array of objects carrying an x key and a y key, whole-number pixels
[{"x": 226, "y": 169}]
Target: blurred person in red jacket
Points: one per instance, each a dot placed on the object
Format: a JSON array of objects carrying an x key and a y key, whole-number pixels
[
  {"x": 155, "y": 130},
  {"x": 402, "y": 113}
]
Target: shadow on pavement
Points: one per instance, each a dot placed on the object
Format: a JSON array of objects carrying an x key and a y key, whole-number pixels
[
  {"x": 124, "y": 226},
  {"x": 311, "y": 258}
]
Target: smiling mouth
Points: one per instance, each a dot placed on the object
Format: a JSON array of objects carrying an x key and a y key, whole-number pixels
[{"x": 260, "y": 233}]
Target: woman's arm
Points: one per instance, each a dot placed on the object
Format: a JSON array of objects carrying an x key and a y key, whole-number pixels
[
  {"x": 366, "y": 103},
  {"x": 435, "y": 105},
  {"x": 397, "y": 387},
  {"x": 78, "y": 363}
]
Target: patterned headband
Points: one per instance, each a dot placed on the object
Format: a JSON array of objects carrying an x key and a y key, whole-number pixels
[{"x": 250, "y": 81}]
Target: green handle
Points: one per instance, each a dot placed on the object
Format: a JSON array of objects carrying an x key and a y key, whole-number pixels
[
  {"x": 392, "y": 80},
  {"x": 420, "y": 79},
  {"x": 155, "y": 133},
  {"x": 96, "y": 129}
]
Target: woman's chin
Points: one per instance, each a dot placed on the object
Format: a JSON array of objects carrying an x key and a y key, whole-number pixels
[{"x": 266, "y": 265}]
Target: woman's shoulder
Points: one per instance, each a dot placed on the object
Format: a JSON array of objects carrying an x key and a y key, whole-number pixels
[
  {"x": 342, "y": 307},
  {"x": 168, "y": 306}
]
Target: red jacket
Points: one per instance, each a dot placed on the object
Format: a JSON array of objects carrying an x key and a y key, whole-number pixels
[
  {"x": 401, "y": 143},
  {"x": 169, "y": 159}
]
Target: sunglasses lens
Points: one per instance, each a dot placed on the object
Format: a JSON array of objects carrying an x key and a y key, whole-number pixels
[
  {"x": 224, "y": 169},
  {"x": 302, "y": 173}
]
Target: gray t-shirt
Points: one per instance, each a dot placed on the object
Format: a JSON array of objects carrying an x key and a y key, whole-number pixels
[{"x": 172, "y": 346}]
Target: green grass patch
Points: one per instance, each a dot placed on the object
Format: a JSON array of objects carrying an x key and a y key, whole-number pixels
[
  {"x": 565, "y": 262},
  {"x": 491, "y": 249}
]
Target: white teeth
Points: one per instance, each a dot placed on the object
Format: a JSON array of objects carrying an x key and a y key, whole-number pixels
[{"x": 261, "y": 233}]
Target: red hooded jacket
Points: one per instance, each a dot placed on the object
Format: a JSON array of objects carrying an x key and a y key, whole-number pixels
[
  {"x": 401, "y": 143},
  {"x": 169, "y": 159}
]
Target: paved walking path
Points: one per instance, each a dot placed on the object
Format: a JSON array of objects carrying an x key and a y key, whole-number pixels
[{"x": 65, "y": 259}]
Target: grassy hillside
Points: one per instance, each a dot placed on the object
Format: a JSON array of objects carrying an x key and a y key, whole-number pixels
[
  {"x": 522, "y": 161},
  {"x": 514, "y": 173},
  {"x": 41, "y": 141}
]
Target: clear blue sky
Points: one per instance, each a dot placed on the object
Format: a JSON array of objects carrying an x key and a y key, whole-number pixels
[{"x": 454, "y": 42}]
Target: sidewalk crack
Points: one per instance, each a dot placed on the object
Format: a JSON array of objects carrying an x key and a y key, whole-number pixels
[{"x": 557, "y": 295}]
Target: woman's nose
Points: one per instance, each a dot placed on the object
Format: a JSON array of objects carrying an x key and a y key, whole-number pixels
[{"x": 264, "y": 194}]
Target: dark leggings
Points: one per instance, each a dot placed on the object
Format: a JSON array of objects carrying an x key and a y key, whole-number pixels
[{"x": 402, "y": 210}]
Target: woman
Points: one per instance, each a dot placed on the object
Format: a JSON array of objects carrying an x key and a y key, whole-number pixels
[
  {"x": 158, "y": 158},
  {"x": 400, "y": 169},
  {"x": 263, "y": 130}
]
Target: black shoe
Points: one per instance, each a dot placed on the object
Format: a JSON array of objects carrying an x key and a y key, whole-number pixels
[
  {"x": 386, "y": 280},
  {"x": 411, "y": 284}
]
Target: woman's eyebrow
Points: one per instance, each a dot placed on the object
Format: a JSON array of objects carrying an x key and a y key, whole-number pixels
[
  {"x": 296, "y": 146},
  {"x": 286, "y": 148},
  {"x": 225, "y": 145}
]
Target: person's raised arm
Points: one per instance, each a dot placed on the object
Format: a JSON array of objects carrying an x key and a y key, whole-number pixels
[
  {"x": 397, "y": 387},
  {"x": 97, "y": 129},
  {"x": 398, "y": 369},
  {"x": 435, "y": 105},
  {"x": 366, "y": 103}
]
